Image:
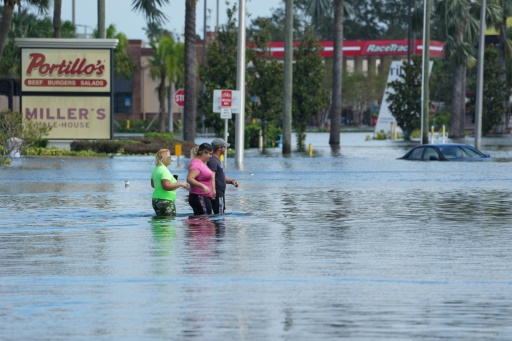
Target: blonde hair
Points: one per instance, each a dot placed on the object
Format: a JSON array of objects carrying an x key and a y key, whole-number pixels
[
  {"x": 161, "y": 155},
  {"x": 201, "y": 149}
]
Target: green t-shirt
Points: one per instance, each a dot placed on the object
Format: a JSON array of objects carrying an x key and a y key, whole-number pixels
[{"x": 160, "y": 173}]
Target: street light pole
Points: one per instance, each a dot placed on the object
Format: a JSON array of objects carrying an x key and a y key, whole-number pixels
[
  {"x": 240, "y": 86},
  {"x": 425, "y": 105},
  {"x": 409, "y": 29},
  {"x": 480, "y": 79}
]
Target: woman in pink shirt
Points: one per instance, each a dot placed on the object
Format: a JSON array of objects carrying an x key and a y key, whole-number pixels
[{"x": 200, "y": 178}]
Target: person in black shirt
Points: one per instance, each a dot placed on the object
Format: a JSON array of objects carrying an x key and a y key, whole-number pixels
[{"x": 218, "y": 201}]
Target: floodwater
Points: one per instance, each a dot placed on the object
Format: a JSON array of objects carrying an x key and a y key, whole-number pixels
[{"x": 352, "y": 244}]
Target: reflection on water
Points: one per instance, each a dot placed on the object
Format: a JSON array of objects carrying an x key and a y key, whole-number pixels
[{"x": 353, "y": 244}]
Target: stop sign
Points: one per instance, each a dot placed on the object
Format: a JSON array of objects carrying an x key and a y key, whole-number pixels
[{"x": 179, "y": 97}]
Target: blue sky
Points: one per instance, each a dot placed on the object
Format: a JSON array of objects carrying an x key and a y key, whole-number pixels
[{"x": 119, "y": 13}]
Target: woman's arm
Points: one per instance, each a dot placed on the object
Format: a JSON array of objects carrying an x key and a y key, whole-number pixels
[
  {"x": 191, "y": 179},
  {"x": 169, "y": 186}
]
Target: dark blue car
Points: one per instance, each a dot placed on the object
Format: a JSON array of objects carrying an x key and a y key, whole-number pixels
[{"x": 445, "y": 152}]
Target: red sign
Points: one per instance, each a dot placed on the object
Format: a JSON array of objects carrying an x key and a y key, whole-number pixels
[
  {"x": 360, "y": 48},
  {"x": 225, "y": 98},
  {"x": 179, "y": 97},
  {"x": 78, "y": 66}
]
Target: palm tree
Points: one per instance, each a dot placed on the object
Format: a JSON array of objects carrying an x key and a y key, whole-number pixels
[
  {"x": 151, "y": 9},
  {"x": 505, "y": 43},
  {"x": 124, "y": 65},
  {"x": 153, "y": 14},
  {"x": 41, "y": 5},
  {"x": 189, "y": 124},
  {"x": 155, "y": 30},
  {"x": 459, "y": 19},
  {"x": 57, "y": 7},
  {"x": 166, "y": 64},
  {"x": 461, "y": 28}
]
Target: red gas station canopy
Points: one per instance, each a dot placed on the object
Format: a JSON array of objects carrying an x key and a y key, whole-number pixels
[{"x": 365, "y": 48}]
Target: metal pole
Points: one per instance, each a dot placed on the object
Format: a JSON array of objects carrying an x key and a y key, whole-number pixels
[
  {"x": 226, "y": 134},
  {"x": 169, "y": 109},
  {"x": 203, "y": 115},
  {"x": 409, "y": 29},
  {"x": 480, "y": 79},
  {"x": 425, "y": 107},
  {"x": 217, "y": 23},
  {"x": 240, "y": 86},
  {"x": 182, "y": 123},
  {"x": 102, "y": 33},
  {"x": 73, "y": 12},
  {"x": 288, "y": 78}
]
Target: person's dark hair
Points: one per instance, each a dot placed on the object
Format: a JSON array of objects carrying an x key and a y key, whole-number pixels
[{"x": 203, "y": 148}]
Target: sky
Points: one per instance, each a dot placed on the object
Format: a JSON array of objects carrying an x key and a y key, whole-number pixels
[{"x": 120, "y": 13}]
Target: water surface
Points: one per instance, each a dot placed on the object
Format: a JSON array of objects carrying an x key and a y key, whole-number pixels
[{"x": 352, "y": 244}]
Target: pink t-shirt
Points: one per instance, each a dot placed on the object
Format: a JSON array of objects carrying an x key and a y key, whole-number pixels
[{"x": 204, "y": 177}]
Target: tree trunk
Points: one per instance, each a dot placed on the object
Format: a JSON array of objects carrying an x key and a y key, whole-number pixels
[
  {"x": 334, "y": 138},
  {"x": 189, "y": 124},
  {"x": 161, "y": 100},
  {"x": 456, "y": 100},
  {"x": 503, "y": 66},
  {"x": 462, "y": 120},
  {"x": 57, "y": 6},
  {"x": 6, "y": 24}
]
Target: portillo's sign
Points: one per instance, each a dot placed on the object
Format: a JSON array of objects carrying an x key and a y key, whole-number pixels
[
  {"x": 65, "y": 70},
  {"x": 66, "y": 84}
]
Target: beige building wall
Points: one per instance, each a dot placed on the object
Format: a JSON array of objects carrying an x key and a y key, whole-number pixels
[{"x": 149, "y": 88}]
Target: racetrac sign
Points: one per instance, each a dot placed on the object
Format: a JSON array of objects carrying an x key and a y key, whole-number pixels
[
  {"x": 366, "y": 48},
  {"x": 66, "y": 84}
]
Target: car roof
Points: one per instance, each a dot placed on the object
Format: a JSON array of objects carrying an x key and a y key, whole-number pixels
[{"x": 446, "y": 145}]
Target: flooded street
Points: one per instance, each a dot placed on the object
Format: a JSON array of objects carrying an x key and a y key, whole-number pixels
[{"x": 352, "y": 245}]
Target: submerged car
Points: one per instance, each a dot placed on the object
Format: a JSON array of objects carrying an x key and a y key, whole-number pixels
[{"x": 445, "y": 152}]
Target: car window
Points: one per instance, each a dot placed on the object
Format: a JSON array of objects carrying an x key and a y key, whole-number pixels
[
  {"x": 416, "y": 154},
  {"x": 429, "y": 152},
  {"x": 470, "y": 152},
  {"x": 451, "y": 152}
]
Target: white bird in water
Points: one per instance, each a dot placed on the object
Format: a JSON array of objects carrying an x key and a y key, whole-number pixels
[{"x": 126, "y": 183}]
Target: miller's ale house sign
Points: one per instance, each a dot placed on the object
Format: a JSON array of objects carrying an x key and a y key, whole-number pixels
[{"x": 66, "y": 84}]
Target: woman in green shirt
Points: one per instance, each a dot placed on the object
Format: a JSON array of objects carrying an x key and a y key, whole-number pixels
[{"x": 164, "y": 184}]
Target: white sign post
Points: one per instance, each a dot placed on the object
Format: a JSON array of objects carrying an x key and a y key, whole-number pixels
[{"x": 226, "y": 102}]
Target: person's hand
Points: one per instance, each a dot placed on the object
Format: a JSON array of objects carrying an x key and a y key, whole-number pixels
[
  {"x": 206, "y": 190},
  {"x": 184, "y": 184},
  {"x": 214, "y": 194},
  {"x": 235, "y": 183}
]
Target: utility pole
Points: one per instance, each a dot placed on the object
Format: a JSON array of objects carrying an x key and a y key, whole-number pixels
[
  {"x": 288, "y": 78},
  {"x": 480, "y": 79},
  {"x": 240, "y": 86},
  {"x": 203, "y": 116},
  {"x": 425, "y": 103},
  {"x": 217, "y": 22},
  {"x": 102, "y": 33},
  {"x": 409, "y": 29}
]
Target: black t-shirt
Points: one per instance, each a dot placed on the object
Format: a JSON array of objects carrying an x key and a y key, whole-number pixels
[{"x": 220, "y": 178}]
